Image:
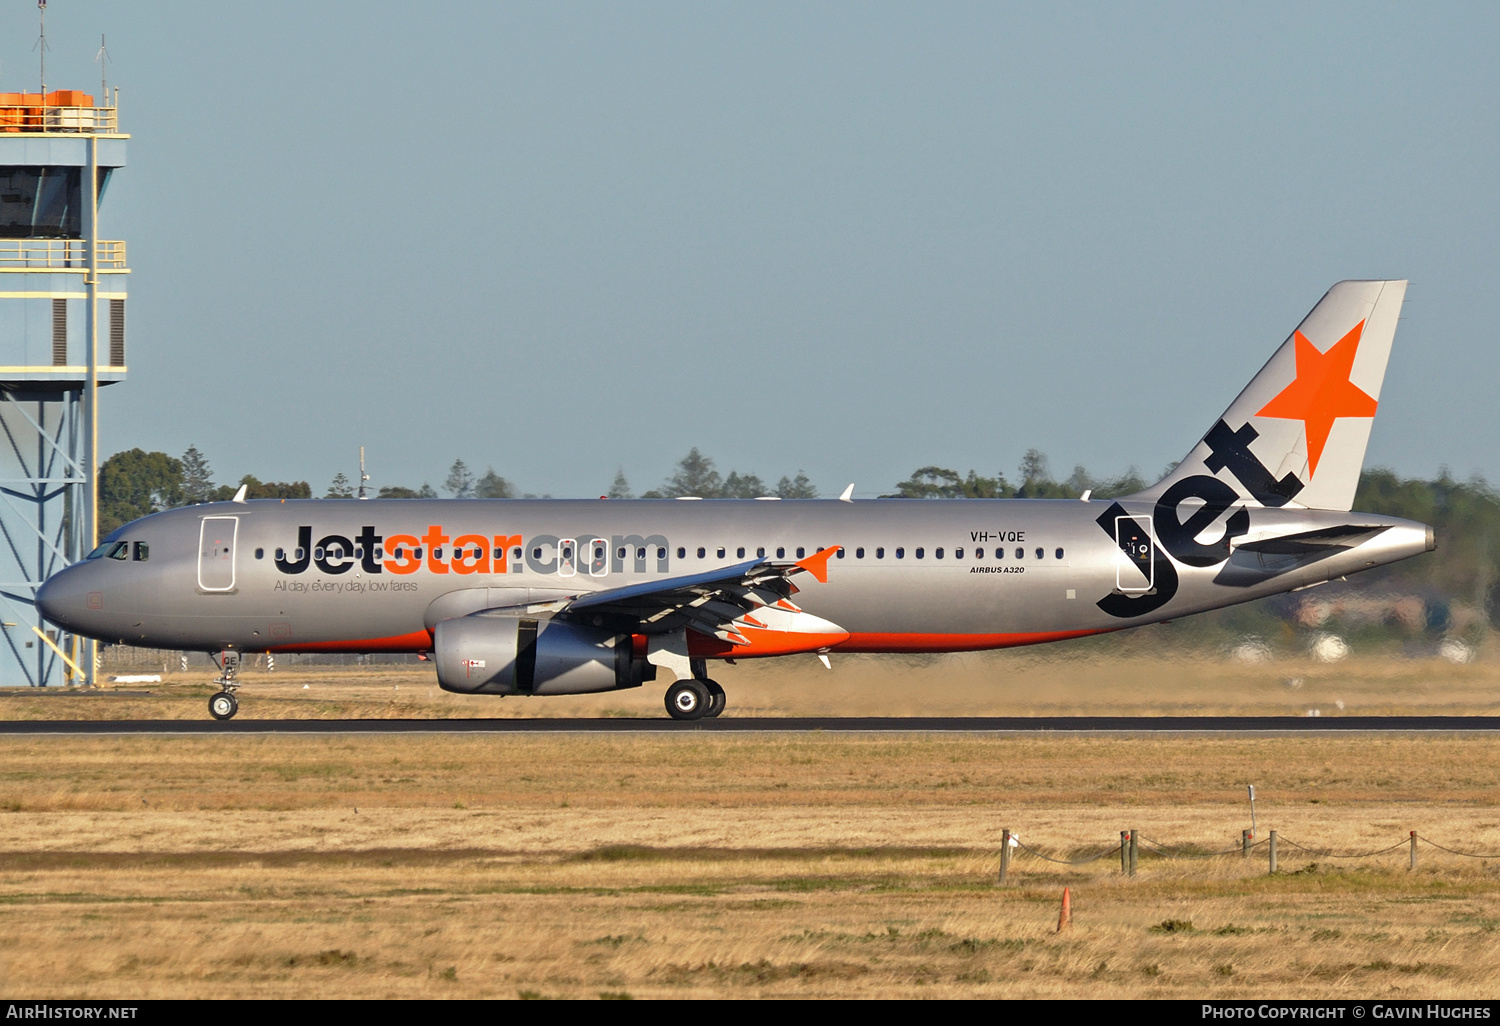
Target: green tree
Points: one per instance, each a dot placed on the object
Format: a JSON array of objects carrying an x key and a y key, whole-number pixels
[
  {"x": 135, "y": 483},
  {"x": 621, "y": 487},
  {"x": 695, "y": 476},
  {"x": 197, "y": 476},
  {"x": 340, "y": 488},
  {"x": 255, "y": 488},
  {"x": 942, "y": 483},
  {"x": 798, "y": 487},
  {"x": 493, "y": 486},
  {"x": 397, "y": 492},
  {"x": 742, "y": 486},
  {"x": 460, "y": 483}
]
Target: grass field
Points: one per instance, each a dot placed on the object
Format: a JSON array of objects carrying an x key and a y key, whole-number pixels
[
  {"x": 698, "y": 865},
  {"x": 1125, "y": 675}
]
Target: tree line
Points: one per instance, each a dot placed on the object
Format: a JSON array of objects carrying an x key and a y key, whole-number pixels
[{"x": 1464, "y": 514}]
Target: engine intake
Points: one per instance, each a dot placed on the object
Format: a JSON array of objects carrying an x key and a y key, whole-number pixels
[{"x": 495, "y": 654}]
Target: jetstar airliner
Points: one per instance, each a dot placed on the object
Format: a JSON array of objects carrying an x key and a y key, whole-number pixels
[{"x": 521, "y": 597}]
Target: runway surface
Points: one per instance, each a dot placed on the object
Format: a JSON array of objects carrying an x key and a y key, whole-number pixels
[{"x": 850, "y": 724}]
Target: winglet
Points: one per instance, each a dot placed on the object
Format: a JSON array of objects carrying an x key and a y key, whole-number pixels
[
  {"x": 817, "y": 563},
  {"x": 239, "y": 496},
  {"x": 848, "y": 494}
]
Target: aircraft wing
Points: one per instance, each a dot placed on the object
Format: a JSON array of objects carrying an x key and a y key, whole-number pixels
[{"x": 708, "y": 603}]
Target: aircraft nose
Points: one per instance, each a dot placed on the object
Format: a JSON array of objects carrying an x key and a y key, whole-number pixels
[{"x": 64, "y": 599}]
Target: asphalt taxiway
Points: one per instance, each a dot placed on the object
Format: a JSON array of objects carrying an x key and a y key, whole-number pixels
[{"x": 842, "y": 724}]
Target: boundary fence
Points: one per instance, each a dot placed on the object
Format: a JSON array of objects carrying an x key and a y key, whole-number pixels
[{"x": 1131, "y": 842}]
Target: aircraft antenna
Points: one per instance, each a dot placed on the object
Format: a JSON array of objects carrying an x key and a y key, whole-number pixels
[
  {"x": 41, "y": 44},
  {"x": 103, "y": 58},
  {"x": 363, "y": 477}
]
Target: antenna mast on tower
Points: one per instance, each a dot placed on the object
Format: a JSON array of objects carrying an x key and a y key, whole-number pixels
[
  {"x": 363, "y": 477},
  {"x": 103, "y": 58},
  {"x": 41, "y": 42}
]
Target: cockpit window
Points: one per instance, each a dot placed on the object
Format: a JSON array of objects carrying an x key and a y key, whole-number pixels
[
  {"x": 114, "y": 550},
  {"x": 142, "y": 552}
]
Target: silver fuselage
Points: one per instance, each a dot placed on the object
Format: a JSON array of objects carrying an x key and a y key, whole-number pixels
[{"x": 911, "y": 576}]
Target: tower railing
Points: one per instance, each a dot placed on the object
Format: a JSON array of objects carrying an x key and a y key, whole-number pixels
[
  {"x": 37, "y": 118},
  {"x": 59, "y": 254}
]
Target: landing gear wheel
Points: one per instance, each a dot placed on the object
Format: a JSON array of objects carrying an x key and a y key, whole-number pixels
[
  {"x": 716, "y": 698},
  {"x": 687, "y": 700},
  {"x": 223, "y": 706}
]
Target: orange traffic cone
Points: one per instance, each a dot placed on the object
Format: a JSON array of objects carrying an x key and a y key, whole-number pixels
[{"x": 1065, "y": 917}]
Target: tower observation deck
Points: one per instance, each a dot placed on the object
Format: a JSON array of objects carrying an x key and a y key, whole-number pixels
[{"x": 62, "y": 337}]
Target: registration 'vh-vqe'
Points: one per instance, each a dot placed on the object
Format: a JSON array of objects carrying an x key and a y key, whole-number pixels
[{"x": 522, "y": 597}]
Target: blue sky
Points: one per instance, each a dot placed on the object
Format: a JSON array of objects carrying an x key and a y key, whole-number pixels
[{"x": 850, "y": 239}]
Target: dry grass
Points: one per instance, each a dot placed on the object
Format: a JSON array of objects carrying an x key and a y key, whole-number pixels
[{"x": 693, "y": 865}]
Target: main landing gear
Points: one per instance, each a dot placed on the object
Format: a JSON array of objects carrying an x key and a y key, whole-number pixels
[
  {"x": 224, "y": 705},
  {"x": 697, "y": 697}
]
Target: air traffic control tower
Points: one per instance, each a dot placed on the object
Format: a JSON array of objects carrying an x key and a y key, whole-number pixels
[{"x": 62, "y": 336}]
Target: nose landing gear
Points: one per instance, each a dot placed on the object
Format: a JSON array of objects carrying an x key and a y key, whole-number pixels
[{"x": 224, "y": 705}]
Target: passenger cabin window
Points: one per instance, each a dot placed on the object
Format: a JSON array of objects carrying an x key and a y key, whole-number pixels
[
  {"x": 900, "y": 552},
  {"x": 859, "y": 553},
  {"x": 958, "y": 553},
  {"x": 1041, "y": 553},
  {"x": 702, "y": 552},
  {"x": 920, "y": 552},
  {"x": 721, "y": 552},
  {"x": 259, "y": 553},
  {"x": 840, "y": 553},
  {"x": 760, "y": 553},
  {"x": 880, "y": 553},
  {"x": 1020, "y": 552},
  {"x": 1059, "y": 553},
  {"x": 740, "y": 552},
  {"x": 937, "y": 553},
  {"x": 681, "y": 553},
  {"x": 780, "y": 552},
  {"x": 801, "y": 552},
  {"x": 661, "y": 552}
]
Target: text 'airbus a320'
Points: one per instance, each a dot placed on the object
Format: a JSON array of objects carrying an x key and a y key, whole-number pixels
[{"x": 523, "y": 597}]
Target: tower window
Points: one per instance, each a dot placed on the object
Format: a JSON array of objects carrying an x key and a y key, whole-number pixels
[
  {"x": 117, "y": 332},
  {"x": 59, "y": 332}
]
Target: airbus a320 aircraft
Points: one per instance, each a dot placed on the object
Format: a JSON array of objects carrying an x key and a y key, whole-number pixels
[{"x": 519, "y": 597}]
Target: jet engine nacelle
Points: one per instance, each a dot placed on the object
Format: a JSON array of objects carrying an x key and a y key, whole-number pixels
[{"x": 509, "y": 655}]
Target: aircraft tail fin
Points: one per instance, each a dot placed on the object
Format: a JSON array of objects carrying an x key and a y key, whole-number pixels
[{"x": 1297, "y": 433}]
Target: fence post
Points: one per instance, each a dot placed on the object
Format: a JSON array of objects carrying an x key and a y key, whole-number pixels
[
  {"x": 1134, "y": 834},
  {"x": 1244, "y": 844},
  {"x": 1124, "y": 852},
  {"x": 1413, "y": 850},
  {"x": 1004, "y": 854},
  {"x": 1273, "y": 853}
]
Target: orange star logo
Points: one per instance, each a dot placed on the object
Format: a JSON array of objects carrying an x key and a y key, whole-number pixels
[{"x": 1322, "y": 392}]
